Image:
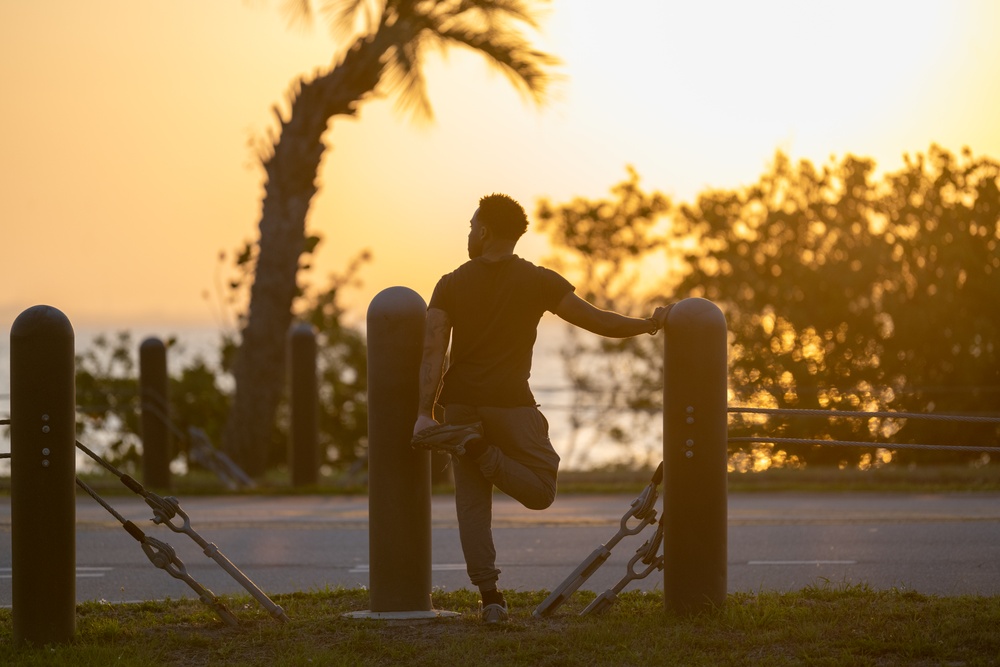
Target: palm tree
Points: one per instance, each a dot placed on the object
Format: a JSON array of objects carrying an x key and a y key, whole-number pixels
[{"x": 386, "y": 56}]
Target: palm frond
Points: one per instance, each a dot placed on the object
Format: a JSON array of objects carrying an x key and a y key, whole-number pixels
[
  {"x": 493, "y": 28},
  {"x": 405, "y": 76},
  {"x": 350, "y": 19},
  {"x": 496, "y": 12},
  {"x": 508, "y": 52},
  {"x": 487, "y": 12},
  {"x": 298, "y": 13}
]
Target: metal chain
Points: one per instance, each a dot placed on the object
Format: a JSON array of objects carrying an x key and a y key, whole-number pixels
[
  {"x": 169, "y": 508},
  {"x": 648, "y": 554},
  {"x": 166, "y": 509},
  {"x": 643, "y": 508},
  {"x": 160, "y": 506},
  {"x": 163, "y": 556}
]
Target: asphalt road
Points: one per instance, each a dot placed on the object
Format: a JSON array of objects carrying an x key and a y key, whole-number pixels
[{"x": 942, "y": 544}]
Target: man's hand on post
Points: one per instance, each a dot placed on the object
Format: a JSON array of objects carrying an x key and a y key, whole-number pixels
[
  {"x": 660, "y": 315},
  {"x": 423, "y": 422}
]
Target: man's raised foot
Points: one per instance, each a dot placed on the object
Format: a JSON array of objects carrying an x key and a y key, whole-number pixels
[{"x": 447, "y": 438}]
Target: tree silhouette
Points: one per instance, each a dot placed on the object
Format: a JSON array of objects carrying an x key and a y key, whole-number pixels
[
  {"x": 842, "y": 291},
  {"x": 387, "y": 56},
  {"x": 845, "y": 292}
]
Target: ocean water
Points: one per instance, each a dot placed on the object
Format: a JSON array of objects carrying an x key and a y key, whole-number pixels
[
  {"x": 582, "y": 448},
  {"x": 192, "y": 341}
]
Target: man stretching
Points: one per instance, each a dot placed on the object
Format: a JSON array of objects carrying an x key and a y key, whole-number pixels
[{"x": 489, "y": 308}]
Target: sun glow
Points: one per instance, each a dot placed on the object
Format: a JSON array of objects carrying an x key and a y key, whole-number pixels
[{"x": 129, "y": 155}]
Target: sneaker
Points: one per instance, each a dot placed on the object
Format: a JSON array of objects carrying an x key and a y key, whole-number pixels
[
  {"x": 492, "y": 614},
  {"x": 447, "y": 438}
]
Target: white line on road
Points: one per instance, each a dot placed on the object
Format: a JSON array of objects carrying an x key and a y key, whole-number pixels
[
  {"x": 439, "y": 567},
  {"x": 81, "y": 572},
  {"x": 802, "y": 562}
]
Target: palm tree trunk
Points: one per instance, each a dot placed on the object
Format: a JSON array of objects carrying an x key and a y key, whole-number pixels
[{"x": 291, "y": 170}]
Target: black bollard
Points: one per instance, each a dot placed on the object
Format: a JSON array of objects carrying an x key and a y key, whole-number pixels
[
  {"x": 695, "y": 441},
  {"x": 399, "y": 492},
  {"x": 154, "y": 388},
  {"x": 43, "y": 477},
  {"x": 303, "y": 453}
]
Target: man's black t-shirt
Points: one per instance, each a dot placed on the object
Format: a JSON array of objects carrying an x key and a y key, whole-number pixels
[{"x": 494, "y": 308}]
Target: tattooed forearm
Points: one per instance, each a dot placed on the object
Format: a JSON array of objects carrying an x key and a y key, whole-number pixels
[{"x": 437, "y": 333}]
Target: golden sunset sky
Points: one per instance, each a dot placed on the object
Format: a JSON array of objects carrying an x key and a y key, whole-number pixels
[{"x": 126, "y": 166}]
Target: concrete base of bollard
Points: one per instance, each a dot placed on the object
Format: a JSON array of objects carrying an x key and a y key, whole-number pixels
[{"x": 402, "y": 615}]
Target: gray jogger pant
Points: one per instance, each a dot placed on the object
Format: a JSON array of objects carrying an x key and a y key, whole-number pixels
[{"x": 520, "y": 461}]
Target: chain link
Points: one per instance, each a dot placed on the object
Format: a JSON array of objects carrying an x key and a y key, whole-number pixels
[
  {"x": 164, "y": 557},
  {"x": 165, "y": 510},
  {"x": 643, "y": 509},
  {"x": 647, "y": 554}
]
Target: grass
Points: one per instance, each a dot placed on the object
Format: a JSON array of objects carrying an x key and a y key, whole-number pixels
[
  {"x": 823, "y": 625},
  {"x": 895, "y": 479}
]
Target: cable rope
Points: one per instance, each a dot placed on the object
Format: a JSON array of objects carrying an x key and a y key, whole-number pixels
[
  {"x": 103, "y": 503},
  {"x": 157, "y": 406},
  {"x": 165, "y": 510},
  {"x": 133, "y": 485},
  {"x": 163, "y": 556},
  {"x": 846, "y": 414},
  {"x": 200, "y": 449},
  {"x": 854, "y": 443}
]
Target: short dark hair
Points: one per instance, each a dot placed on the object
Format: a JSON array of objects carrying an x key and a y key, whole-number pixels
[{"x": 503, "y": 216}]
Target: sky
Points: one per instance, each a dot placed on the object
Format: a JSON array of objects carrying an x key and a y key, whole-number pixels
[{"x": 127, "y": 131}]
